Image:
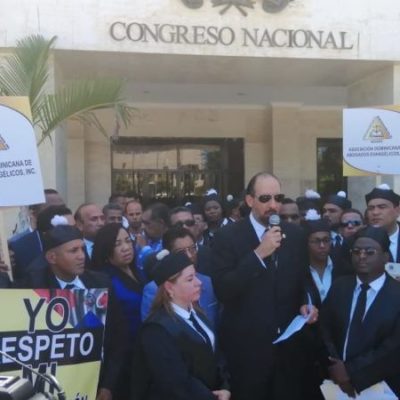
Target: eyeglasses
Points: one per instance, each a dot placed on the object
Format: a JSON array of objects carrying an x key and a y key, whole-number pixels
[
  {"x": 324, "y": 241},
  {"x": 191, "y": 249},
  {"x": 368, "y": 251},
  {"x": 265, "y": 198},
  {"x": 181, "y": 224},
  {"x": 346, "y": 224}
]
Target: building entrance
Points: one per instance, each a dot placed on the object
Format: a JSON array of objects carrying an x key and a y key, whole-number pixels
[{"x": 174, "y": 170}]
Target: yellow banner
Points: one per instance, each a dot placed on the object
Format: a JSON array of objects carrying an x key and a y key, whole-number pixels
[{"x": 57, "y": 332}]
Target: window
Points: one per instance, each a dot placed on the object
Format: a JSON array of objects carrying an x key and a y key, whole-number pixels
[
  {"x": 176, "y": 169},
  {"x": 330, "y": 177}
]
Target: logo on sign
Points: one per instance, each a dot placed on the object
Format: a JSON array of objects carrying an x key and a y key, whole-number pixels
[
  {"x": 3, "y": 144},
  {"x": 377, "y": 131}
]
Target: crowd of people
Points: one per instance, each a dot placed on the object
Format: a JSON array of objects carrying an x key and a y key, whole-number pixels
[{"x": 199, "y": 293}]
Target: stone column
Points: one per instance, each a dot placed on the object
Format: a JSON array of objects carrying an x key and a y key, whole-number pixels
[{"x": 286, "y": 146}]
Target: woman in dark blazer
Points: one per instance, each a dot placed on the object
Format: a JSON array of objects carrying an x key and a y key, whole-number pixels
[
  {"x": 213, "y": 212},
  {"x": 113, "y": 254},
  {"x": 177, "y": 357}
]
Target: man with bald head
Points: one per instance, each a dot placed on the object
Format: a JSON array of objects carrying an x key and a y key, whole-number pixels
[
  {"x": 259, "y": 274},
  {"x": 89, "y": 219}
]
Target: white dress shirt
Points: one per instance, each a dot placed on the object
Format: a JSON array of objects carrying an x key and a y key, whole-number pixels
[
  {"x": 394, "y": 237},
  {"x": 260, "y": 232},
  {"x": 323, "y": 283},
  {"x": 185, "y": 315},
  {"x": 89, "y": 247},
  {"x": 76, "y": 282}
]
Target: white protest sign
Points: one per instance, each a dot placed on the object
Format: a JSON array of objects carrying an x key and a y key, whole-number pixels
[
  {"x": 20, "y": 175},
  {"x": 371, "y": 141}
]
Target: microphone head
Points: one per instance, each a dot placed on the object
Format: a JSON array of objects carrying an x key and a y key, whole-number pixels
[{"x": 274, "y": 220}]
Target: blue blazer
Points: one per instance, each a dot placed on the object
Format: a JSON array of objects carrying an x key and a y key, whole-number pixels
[{"x": 25, "y": 249}]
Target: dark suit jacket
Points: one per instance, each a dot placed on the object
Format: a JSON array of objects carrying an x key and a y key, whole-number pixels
[
  {"x": 398, "y": 249},
  {"x": 258, "y": 302},
  {"x": 4, "y": 280},
  {"x": 115, "y": 337},
  {"x": 26, "y": 248},
  {"x": 341, "y": 256},
  {"x": 173, "y": 362},
  {"x": 381, "y": 334},
  {"x": 204, "y": 260}
]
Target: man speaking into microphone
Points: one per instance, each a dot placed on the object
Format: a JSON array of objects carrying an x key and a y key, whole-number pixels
[{"x": 259, "y": 276}]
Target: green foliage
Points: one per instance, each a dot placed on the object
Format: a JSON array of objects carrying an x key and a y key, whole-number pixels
[{"x": 25, "y": 72}]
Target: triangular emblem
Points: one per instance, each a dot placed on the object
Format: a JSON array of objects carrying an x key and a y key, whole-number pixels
[
  {"x": 377, "y": 131},
  {"x": 3, "y": 144}
]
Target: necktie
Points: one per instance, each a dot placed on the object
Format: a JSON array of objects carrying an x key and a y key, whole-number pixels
[
  {"x": 355, "y": 332},
  {"x": 199, "y": 329},
  {"x": 70, "y": 286},
  {"x": 337, "y": 242}
]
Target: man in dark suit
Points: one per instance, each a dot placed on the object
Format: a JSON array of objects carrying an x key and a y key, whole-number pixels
[
  {"x": 259, "y": 274},
  {"x": 64, "y": 251},
  {"x": 182, "y": 217},
  {"x": 27, "y": 245},
  {"x": 383, "y": 210},
  {"x": 361, "y": 319},
  {"x": 332, "y": 209}
]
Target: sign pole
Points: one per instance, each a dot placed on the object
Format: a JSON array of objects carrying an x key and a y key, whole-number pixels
[{"x": 4, "y": 254}]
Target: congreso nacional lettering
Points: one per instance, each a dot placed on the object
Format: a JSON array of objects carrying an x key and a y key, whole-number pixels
[{"x": 227, "y": 36}]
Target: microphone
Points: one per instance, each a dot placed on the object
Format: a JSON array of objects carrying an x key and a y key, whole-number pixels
[
  {"x": 50, "y": 379},
  {"x": 275, "y": 220}
]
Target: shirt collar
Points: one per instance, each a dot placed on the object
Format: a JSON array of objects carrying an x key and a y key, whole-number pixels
[
  {"x": 375, "y": 285},
  {"x": 260, "y": 229},
  {"x": 335, "y": 234},
  {"x": 328, "y": 267},
  {"x": 77, "y": 282},
  {"x": 185, "y": 314}
]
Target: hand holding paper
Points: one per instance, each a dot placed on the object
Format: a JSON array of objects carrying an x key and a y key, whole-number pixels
[
  {"x": 309, "y": 314},
  {"x": 339, "y": 375}
]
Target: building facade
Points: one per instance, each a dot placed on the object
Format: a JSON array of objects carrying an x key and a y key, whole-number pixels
[{"x": 222, "y": 89}]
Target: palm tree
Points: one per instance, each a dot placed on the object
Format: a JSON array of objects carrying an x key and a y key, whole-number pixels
[{"x": 25, "y": 72}]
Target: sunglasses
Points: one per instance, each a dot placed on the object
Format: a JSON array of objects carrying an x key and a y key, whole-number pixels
[
  {"x": 181, "y": 224},
  {"x": 346, "y": 224},
  {"x": 369, "y": 251},
  {"x": 265, "y": 198}
]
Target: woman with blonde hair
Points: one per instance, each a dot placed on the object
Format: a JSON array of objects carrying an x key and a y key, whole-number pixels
[{"x": 176, "y": 357}]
